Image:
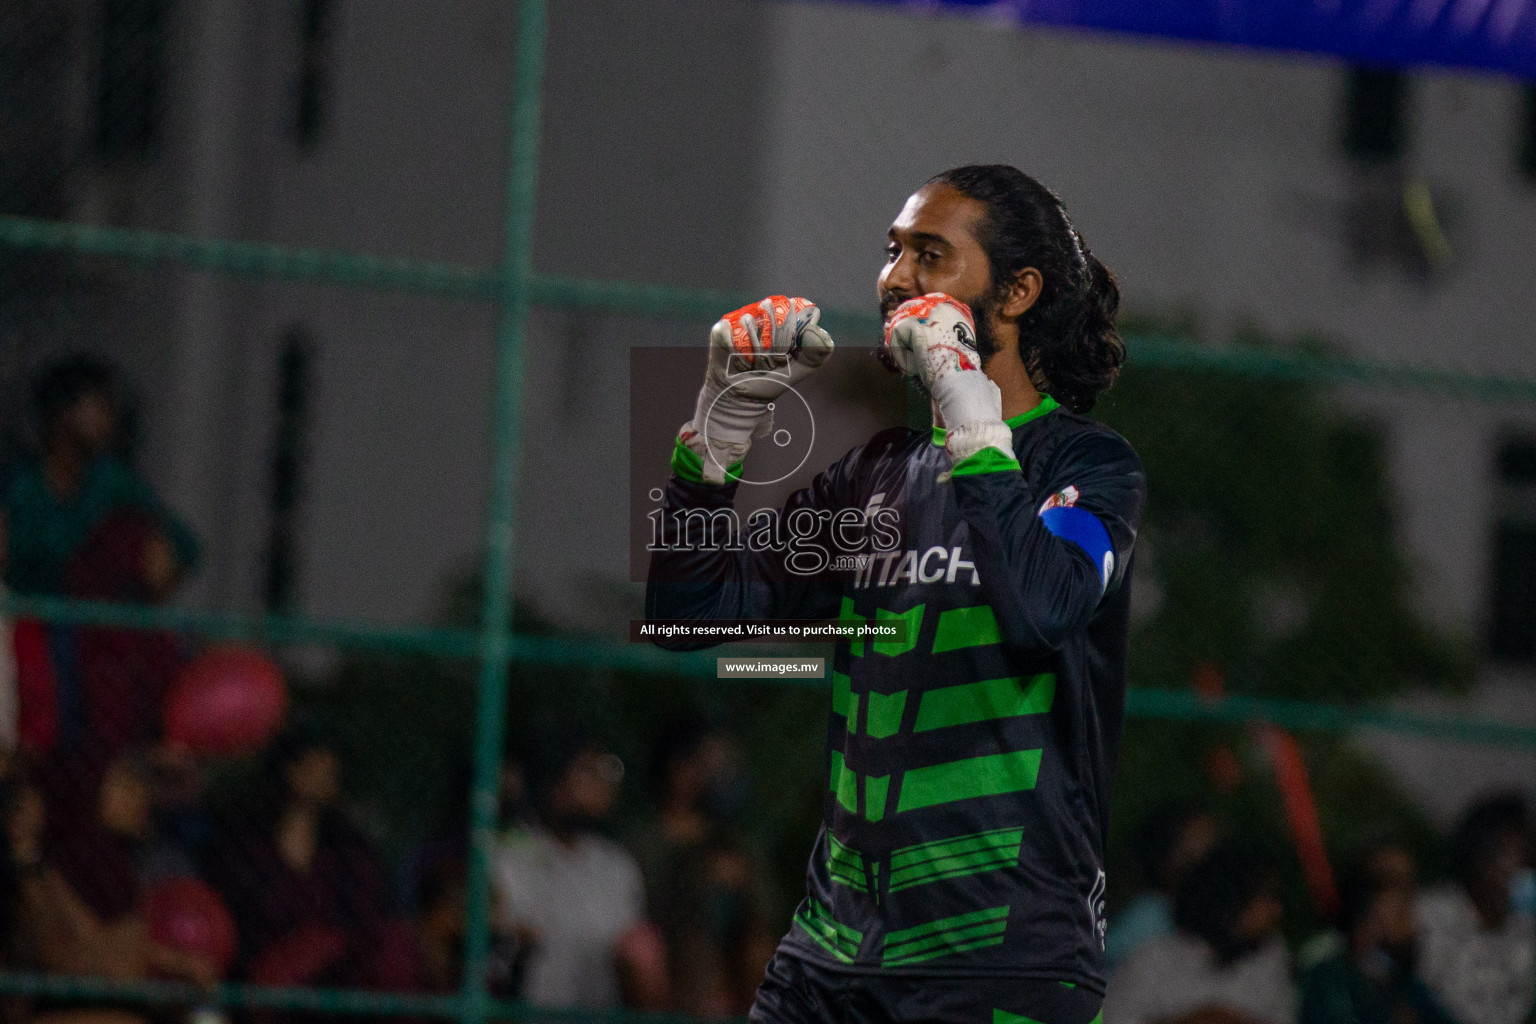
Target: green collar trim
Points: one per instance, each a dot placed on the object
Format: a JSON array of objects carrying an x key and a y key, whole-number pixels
[{"x": 1047, "y": 404}]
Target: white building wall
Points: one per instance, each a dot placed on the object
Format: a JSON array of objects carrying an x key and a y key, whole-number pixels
[{"x": 648, "y": 172}]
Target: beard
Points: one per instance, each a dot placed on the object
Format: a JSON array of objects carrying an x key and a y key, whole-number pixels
[
  {"x": 986, "y": 338},
  {"x": 984, "y": 311}
]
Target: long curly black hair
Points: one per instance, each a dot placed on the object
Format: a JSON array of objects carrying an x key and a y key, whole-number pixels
[{"x": 1067, "y": 339}]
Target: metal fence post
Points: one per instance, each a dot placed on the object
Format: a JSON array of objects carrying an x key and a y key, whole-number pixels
[{"x": 496, "y": 602}]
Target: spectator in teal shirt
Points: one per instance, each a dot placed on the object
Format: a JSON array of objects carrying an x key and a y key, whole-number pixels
[
  {"x": 55, "y": 502},
  {"x": 1374, "y": 978},
  {"x": 1169, "y": 841}
]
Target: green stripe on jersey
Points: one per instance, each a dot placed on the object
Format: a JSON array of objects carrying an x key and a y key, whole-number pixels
[
  {"x": 975, "y": 930},
  {"x": 844, "y": 701},
  {"x": 833, "y": 936},
  {"x": 855, "y": 882},
  {"x": 902, "y": 936},
  {"x": 1004, "y": 1017},
  {"x": 846, "y": 614},
  {"x": 876, "y": 787},
  {"x": 992, "y": 775},
  {"x": 953, "y": 858},
  {"x": 908, "y": 856},
  {"x": 966, "y": 627},
  {"x": 914, "y": 619},
  {"x": 883, "y": 718},
  {"x": 986, "y": 700},
  {"x": 844, "y": 783},
  {"x": 846, "y": 865}
]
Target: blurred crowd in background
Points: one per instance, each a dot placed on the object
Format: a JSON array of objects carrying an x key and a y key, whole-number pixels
[{"x": 128, "y": 856}]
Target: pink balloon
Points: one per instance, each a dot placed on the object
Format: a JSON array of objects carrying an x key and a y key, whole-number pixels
[
  {"x": 228, "y": 701},
  {"x": 186, "y": 914}
]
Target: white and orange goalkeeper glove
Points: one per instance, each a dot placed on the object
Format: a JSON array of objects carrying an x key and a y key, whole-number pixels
[
  {"x": 933, "y": 338},
  {"x": 756, "y": 354}
]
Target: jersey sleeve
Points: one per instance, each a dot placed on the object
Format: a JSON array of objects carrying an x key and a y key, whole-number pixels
[
  {"x": 707, "y": 566},
  {"x": 1046, "y": 560}
]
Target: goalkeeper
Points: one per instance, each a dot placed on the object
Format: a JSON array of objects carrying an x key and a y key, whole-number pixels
[{"x": 958, "y": 873}]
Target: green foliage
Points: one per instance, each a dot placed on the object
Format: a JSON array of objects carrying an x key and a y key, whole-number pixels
[
  {"x": 1268, "y": 562},
  {"x": 1268, "y": 547}
]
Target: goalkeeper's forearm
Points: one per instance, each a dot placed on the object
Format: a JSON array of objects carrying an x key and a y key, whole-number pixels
[
  {"x": 694, "y": 578},
  {"x": 756, "y": 353}
]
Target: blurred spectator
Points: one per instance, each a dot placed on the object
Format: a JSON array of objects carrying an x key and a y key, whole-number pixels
[
  {"x": 1225, "y": 963},
  {"x": 698, "y": 770},
  {"x": 440, "y": 926},
  {"x": 1373, "y": 979},
  {"x": 29, "y": 713},
  {"x": 81, "y": 523},
  {"x": 702, "y": 886},
  {"x": 10, "y": 711},
  {"x": 23, "y": 816},
  {"x": 57, "y": 501},
  {"x": 183, "y": 824},
  {"x": 112, "y": 682},
  {"x": 23, "y": 819},
  {"x": 89, "y": 694},
  {"x": 512, "y": 799},
  {"x": 304, "y": 885},
  {"x": 1478, "y": 948},
  {"x": 426, "y": 953},
  {"x": 81, "y": 889},
  {"x": 94, "y": 843},
  {"x": 1168, "y": 843},
  {"x": 572, "y": 897}
]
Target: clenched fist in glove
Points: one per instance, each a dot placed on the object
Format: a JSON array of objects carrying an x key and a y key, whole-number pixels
[
  {"x": 933, "y": 338},
  {"x": 755, "y": 355}
]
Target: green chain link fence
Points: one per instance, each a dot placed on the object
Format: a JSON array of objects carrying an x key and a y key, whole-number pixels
[{"x": 514, "y": 287}]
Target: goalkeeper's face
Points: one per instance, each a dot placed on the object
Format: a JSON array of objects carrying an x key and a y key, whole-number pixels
[{"x": 933, "y": 247}]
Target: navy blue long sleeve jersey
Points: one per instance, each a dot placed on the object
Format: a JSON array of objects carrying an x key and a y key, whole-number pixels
[{"x": 970, "y": 762}]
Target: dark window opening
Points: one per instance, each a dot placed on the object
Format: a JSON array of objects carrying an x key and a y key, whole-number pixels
[
  {"x": 313, "y": 85},
  {"x": 289, "y": 453},
  {"x": 1512, "y": 624},
  {"x": 1375, "y": 114},
  {"x": 130, "y": 78},
  {"x": 35, "y": 39},
  {"x": 1517, "y": 463}
]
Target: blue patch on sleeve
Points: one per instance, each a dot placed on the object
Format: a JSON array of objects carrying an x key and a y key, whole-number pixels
[{"x": 1083, "y": 528}]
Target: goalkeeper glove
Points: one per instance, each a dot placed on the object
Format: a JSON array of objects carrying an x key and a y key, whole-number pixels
[
  {"x": 756, "y": 354},
  {"x": 934, "y": 338}
]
